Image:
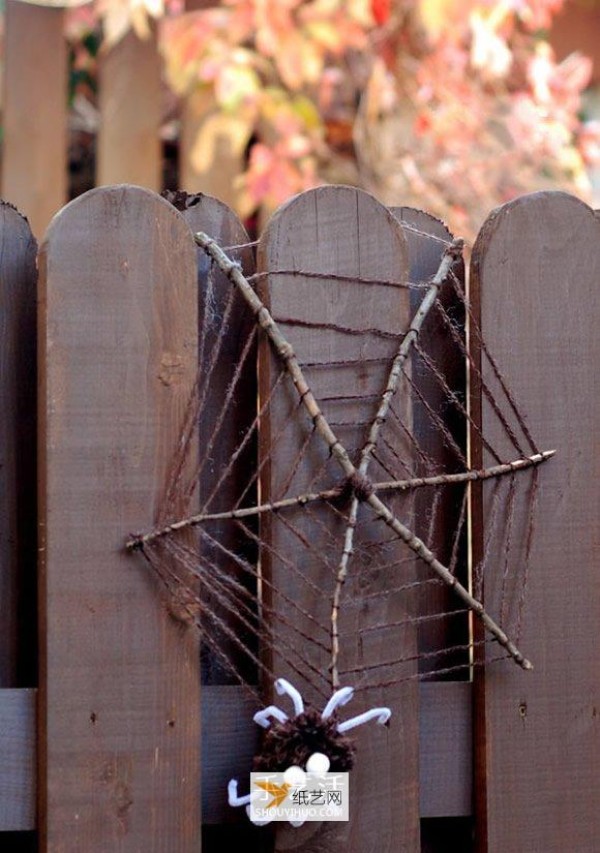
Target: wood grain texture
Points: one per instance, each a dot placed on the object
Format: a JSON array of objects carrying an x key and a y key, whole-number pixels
[
  {"x": 129, "y": 147},
  {"x": 340, "y": 230},
  {"x": 427, "y": 238},
  {"x": 17, "y": 765},
  {"x": 220, "y": 436},
  {"x": 536, "y": 266},
  {"x": 119, "y": 720},
  {"x": 34, "y": 114},
  {"x": 18, "y": 278}
]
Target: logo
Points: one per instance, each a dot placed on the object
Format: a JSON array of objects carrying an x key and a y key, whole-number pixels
[
  {"x": 298, "y": 796},
  {"x": 279, "y": 792}
]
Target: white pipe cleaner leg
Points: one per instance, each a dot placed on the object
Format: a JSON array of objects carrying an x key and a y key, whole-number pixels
[
  {"x": 262, "y": 718},
  {"x": 232, "y": 795},
  {"x": 283, "y": 686},
  {"x": 381, "y": 715},
  {"x": 339, "y": 698}
]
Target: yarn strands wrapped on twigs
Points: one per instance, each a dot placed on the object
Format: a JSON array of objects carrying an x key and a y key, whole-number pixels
[{"x": 218, "y": 581}]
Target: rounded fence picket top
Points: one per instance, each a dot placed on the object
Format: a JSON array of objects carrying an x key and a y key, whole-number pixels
[
  {"x": 118, "y": 337},
  {"x": 535, "y": 272}
]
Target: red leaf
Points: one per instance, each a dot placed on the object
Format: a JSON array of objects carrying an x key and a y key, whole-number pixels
[{"x": 381, "y": 10}]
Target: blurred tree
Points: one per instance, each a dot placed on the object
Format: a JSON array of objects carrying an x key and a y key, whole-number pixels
[{"x": 452, "y": 105}]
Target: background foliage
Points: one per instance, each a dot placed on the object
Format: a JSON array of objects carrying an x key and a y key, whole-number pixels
[{"x": 453, "y": 105}]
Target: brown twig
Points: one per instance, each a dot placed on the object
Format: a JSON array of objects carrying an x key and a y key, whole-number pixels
[
  {"x": 332, "y": 494},
  {"x": 422, "y": 551},
  {"x": 466, "y": 476}
]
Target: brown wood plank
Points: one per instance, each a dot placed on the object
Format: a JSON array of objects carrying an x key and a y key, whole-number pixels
[
  {"x": 477, "y": 550},
  {"x": 230, "y": 739},
  {"x": 205, "y": 213},
  {"x": 119, "y": 761},
  {"x": 536, "y": 265},
  {"x": 17, "y": 766},
  {"x": 339, "y": 230},
  {"x": 129, "y": 147},
  {"x": 34, "y": 114},
  {"x": 18, "y": 277},
  {"x": 427, "y": 238}
]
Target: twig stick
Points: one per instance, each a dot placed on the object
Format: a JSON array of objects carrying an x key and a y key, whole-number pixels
[
  {"x": 332, "y": 494},
  {"x": 467, "y": 476},
  {"x": 450, "y": 254},
  {"x": 286, "y": 352}
]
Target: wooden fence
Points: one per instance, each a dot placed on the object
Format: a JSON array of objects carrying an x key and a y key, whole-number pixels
[
  {"x": 35, "y": 145},
  {"x": 107, "y": 751}
]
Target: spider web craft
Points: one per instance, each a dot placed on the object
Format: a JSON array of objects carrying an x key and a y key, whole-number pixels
[{"x": 330, "y": 544}]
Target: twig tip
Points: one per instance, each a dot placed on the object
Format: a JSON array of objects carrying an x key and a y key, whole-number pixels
[{"x": 135, "y": 542}]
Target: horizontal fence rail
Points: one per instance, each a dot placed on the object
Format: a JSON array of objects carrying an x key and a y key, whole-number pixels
[{"x": 444, "y": 738}]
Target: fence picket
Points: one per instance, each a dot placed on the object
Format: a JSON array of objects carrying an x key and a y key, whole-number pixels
[
  {"x": 339, "y": 230},
  {"x": 208, "y": 214},
  {"x": 120, "y": 682},
  {"x": 34, "y": 113},
  {"x": 535, "y": 273},
  {"x": 130, "y": 103},
  {"x": 427, "y": 237},
  {"x": 228, "y": 744}
]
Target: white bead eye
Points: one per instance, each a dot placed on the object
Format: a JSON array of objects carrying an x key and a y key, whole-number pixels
[
  {"x": 318, "y": 763},
  {"x": 294, "y": 776}
]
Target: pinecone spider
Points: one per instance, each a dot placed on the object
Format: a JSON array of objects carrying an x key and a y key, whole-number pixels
[{"x": 308, "y": 741}]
